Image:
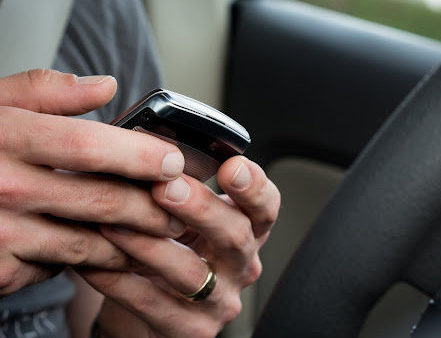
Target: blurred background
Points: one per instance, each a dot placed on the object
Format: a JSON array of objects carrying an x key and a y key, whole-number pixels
[
  {"x": 193, "y": 35},
  {"x": 417, "y": 16}
]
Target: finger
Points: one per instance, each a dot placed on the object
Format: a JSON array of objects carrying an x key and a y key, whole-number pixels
[
  {"x": 166, "y": 315},
  {"x": 181, "y": 267},
  {"x": 248, "y": 186},
  {"x": 52, "y": 92},
  {"x": 80, "y": 145},
  {"x": 88, "y": 198},
  {"x": 16, "y": 274},
  {"x": 224, "y": 226},
  {"x": 261, "y": 240},
  {"x": 44, "y": 240},
  {"x": 139, "y": 295},
  {"x": 152, "y": 304}
]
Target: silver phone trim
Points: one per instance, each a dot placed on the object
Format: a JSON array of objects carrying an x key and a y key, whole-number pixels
[{"x": 223, "y": 121}]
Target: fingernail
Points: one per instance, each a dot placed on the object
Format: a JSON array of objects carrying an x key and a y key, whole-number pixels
[
  {"x": 123, "y": 231},
  {"x": 177, "y": 226},
  {"x": 173, "y": 164},
  {"x": 95, "y": 79},
  {"x": 242, "y": 177},
  {"x": 177, "y": 190}
]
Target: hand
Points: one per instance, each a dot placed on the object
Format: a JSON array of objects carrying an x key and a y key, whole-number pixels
[
  {"x": 227, "y": 230},
  {"x": 38, "y": 194}
]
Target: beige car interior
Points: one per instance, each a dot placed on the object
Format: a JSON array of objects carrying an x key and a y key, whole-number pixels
[{"x": 192, "y": 36}]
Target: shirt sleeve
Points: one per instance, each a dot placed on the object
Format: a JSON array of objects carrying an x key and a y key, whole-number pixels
[{"x": 112, "y": 37}]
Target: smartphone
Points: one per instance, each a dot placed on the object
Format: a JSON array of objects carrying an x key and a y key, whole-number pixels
[{"x": 205, "y": 136}]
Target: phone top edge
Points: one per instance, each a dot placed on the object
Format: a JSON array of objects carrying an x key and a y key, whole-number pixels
[
  {"x": 206, "y": 111},
  {"x": 158, "y": 99}
]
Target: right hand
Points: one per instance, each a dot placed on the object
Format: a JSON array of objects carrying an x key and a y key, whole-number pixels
[{"x": 48, "y": 192}]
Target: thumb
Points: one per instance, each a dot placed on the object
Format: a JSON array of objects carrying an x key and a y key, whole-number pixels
[{"x": 52, "y": 92}]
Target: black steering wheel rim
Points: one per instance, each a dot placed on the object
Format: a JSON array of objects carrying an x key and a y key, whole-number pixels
[{"x": 381, "y": 227}]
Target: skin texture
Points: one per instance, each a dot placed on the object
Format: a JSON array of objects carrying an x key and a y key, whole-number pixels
[
  {"x": 228, "y": 230},
  {"x": 49, "y": 206},
  {"x": 114, "y": 233}
]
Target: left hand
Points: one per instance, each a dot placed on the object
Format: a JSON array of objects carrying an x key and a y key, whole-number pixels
[{"x": 227, "y": 230}]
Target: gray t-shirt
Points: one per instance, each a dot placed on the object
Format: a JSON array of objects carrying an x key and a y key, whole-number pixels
[{"x": 103, "y": 37}]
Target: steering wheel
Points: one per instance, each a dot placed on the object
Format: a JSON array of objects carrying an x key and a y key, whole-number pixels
[{"x": 381, "y": 227}]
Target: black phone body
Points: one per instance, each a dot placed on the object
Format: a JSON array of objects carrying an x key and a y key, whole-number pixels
[{"x": 205, "y": 136}]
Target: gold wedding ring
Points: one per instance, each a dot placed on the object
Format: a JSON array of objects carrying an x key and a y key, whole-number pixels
[{"x": 206, "y": 289}]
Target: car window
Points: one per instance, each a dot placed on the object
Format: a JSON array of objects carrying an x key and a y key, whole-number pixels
[{"x": 422, "y": 17}]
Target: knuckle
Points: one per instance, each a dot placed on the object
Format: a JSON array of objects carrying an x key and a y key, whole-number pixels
[
  {"x": 242, "y": 236},
  {"x": 277, "y": 199},
  {"x": 254, "y": 272},
  {"x": 268, "y": 212},
  {"x": 239, "y": 238},
  {"x": 271, "y": 216},
  {"x": 69, "y": 79},
  {"x": 77, "y": 249},
  {"x": 203, "y": 329},
  {"x": 108, "y": 202},
  {"x": 201, "y": 207},
  {"x": 202, "y": 210},
  {"x": 273, "y": 213},
  {"x": 233, "y": 307},
  {"x": 118, "y": 263},
  {"x": 40, "y": 75},
  {"x": 118, "y": 260},
  {"x": 108, "y": 285},
  {"x": 11, "y": 191}
]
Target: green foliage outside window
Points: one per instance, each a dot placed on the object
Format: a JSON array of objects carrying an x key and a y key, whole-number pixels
[{"x": 410, "y": 15}]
